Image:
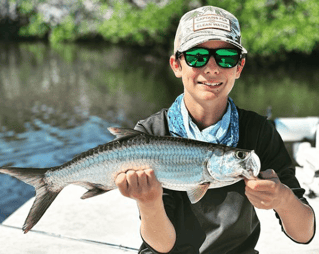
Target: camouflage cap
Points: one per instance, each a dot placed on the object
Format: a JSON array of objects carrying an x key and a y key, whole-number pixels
[{"x": 204, "y": 24}]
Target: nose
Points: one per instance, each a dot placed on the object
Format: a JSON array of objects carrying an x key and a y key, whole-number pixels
[{"x": 212, "y": 67}]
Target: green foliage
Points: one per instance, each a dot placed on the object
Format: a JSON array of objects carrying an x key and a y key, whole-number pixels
[
  {"x": 269, "y": 27},
  {"x": 26, "y": 7},
  {"x": 140, "y": 26},
  {"x": 66, "y": 31},
  {"x": 275, "y": 26},
  {"x": 60, "y": 24},
  {"x": 37, "y": 27},
  {"x": 278, "y": 26}
]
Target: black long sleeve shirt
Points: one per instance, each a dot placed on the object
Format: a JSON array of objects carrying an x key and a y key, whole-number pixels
[{"x": 224, "y": 221}]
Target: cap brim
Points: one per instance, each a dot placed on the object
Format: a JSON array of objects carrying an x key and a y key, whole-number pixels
[{"x": 201, "y": 39}]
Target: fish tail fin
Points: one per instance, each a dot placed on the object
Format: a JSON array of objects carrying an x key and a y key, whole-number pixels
[
  {"x": 44, "y": 197},
  {"x": 43, "y": 200},
  {"x": 32, "y": 176}
]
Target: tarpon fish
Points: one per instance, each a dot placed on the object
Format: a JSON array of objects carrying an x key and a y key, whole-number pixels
[{"x": 178, "y": 163}]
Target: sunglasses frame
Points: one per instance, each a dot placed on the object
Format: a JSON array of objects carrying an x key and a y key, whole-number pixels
[{"x": 211, "y": 52}]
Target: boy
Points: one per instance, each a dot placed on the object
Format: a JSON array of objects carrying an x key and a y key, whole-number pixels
[{"x": 208, "y": 57}]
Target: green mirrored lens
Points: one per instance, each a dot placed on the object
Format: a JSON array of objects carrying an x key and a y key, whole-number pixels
[
  {"x": 227, "y": 58},
  {"x": 197, "y": 57}
]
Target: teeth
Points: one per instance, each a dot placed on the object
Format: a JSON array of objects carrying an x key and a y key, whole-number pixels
[{"x": 212, "y": 84}]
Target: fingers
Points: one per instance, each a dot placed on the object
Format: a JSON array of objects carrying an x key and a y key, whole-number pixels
[
  {"x": 268, "y": 174},
  {"x": 140, "y": 185},
  {"x": 122, "y": 184},
  {"x": 265, "y": 193},
  {"x": 267, "y": 181},
  {"x": 260, "y": 185},
  {"x": 131, "y": 178},
  {"x": 141, "y": 178},
  {"x": 151, "y": 178},
  {"x": 262, "y": 200}
]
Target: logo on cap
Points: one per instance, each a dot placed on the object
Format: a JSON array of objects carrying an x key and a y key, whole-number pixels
[{"x": 211, "y": 21}]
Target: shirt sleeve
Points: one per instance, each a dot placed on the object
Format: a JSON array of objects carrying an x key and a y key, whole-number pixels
[
  {"x": 189, "y": 236},
  {"x": 273, "y": 155}
]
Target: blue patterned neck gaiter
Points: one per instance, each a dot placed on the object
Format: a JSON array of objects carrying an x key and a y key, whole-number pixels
[{"x": 225, "y": 131}]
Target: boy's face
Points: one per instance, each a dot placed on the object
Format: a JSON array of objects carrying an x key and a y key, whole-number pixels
[{"x": 196, "y": 80}]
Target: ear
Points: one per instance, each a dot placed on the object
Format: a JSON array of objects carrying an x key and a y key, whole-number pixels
[
  {"x": 240, "y": 67},
  {"x": 176, "y": 66}
]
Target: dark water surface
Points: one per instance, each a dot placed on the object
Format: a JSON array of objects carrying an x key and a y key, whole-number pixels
[{"x": 56, "y": 103}]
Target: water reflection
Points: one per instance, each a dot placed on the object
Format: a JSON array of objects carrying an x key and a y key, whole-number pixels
[
  {"x": 56, "y": 103},
  {"x": 43, "y": 145},
  {"x": 72, "y": 82},
  {"x": 80, "y": 80},
  {"x": 290, "y": 89}
]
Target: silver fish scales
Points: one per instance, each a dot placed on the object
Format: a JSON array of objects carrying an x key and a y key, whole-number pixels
[{"x": 179, "y": 164}]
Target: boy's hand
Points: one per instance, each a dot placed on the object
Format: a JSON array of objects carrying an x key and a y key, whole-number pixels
[
  {"x": 156, "y": 228},
  {"x": 140, "y": 185},
  {"x": 297, "y": 218},
  {"x": 267, "y": 192}
]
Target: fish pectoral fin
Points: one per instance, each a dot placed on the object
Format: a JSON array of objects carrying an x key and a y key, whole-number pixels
[{"x": 197, "y": 193}]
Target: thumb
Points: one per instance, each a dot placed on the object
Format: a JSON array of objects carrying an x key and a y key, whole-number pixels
[{"x": 267, "y": 174}]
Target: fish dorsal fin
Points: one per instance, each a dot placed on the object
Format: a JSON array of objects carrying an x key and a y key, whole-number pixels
[
  {"x": 175, "y": 134},
  {"x": 123, "y": 132},
  {"x": 197, "y": 193}
]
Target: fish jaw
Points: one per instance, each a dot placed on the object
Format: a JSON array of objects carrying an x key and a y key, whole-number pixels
[{"x": 253, "y": 166}]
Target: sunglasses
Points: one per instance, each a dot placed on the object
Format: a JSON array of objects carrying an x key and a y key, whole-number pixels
[{"x": 199, "y": 57}]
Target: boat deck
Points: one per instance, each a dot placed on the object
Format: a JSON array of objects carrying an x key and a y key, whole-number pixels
[{"x": 109, "y": 223}]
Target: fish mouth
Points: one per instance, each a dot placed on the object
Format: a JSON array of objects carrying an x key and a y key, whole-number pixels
[{"x": 253, "y": 166}]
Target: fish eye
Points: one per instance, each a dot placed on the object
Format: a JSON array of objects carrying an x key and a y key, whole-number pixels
[{"x": 240, "y": 155}]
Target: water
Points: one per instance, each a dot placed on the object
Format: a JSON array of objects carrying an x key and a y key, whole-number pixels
[
  {"x": 56, "y": 103},
  {"x": 43, "y": 145}
]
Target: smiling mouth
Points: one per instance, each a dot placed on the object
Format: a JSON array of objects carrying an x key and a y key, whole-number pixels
[{"x": 211, "y": 84}]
